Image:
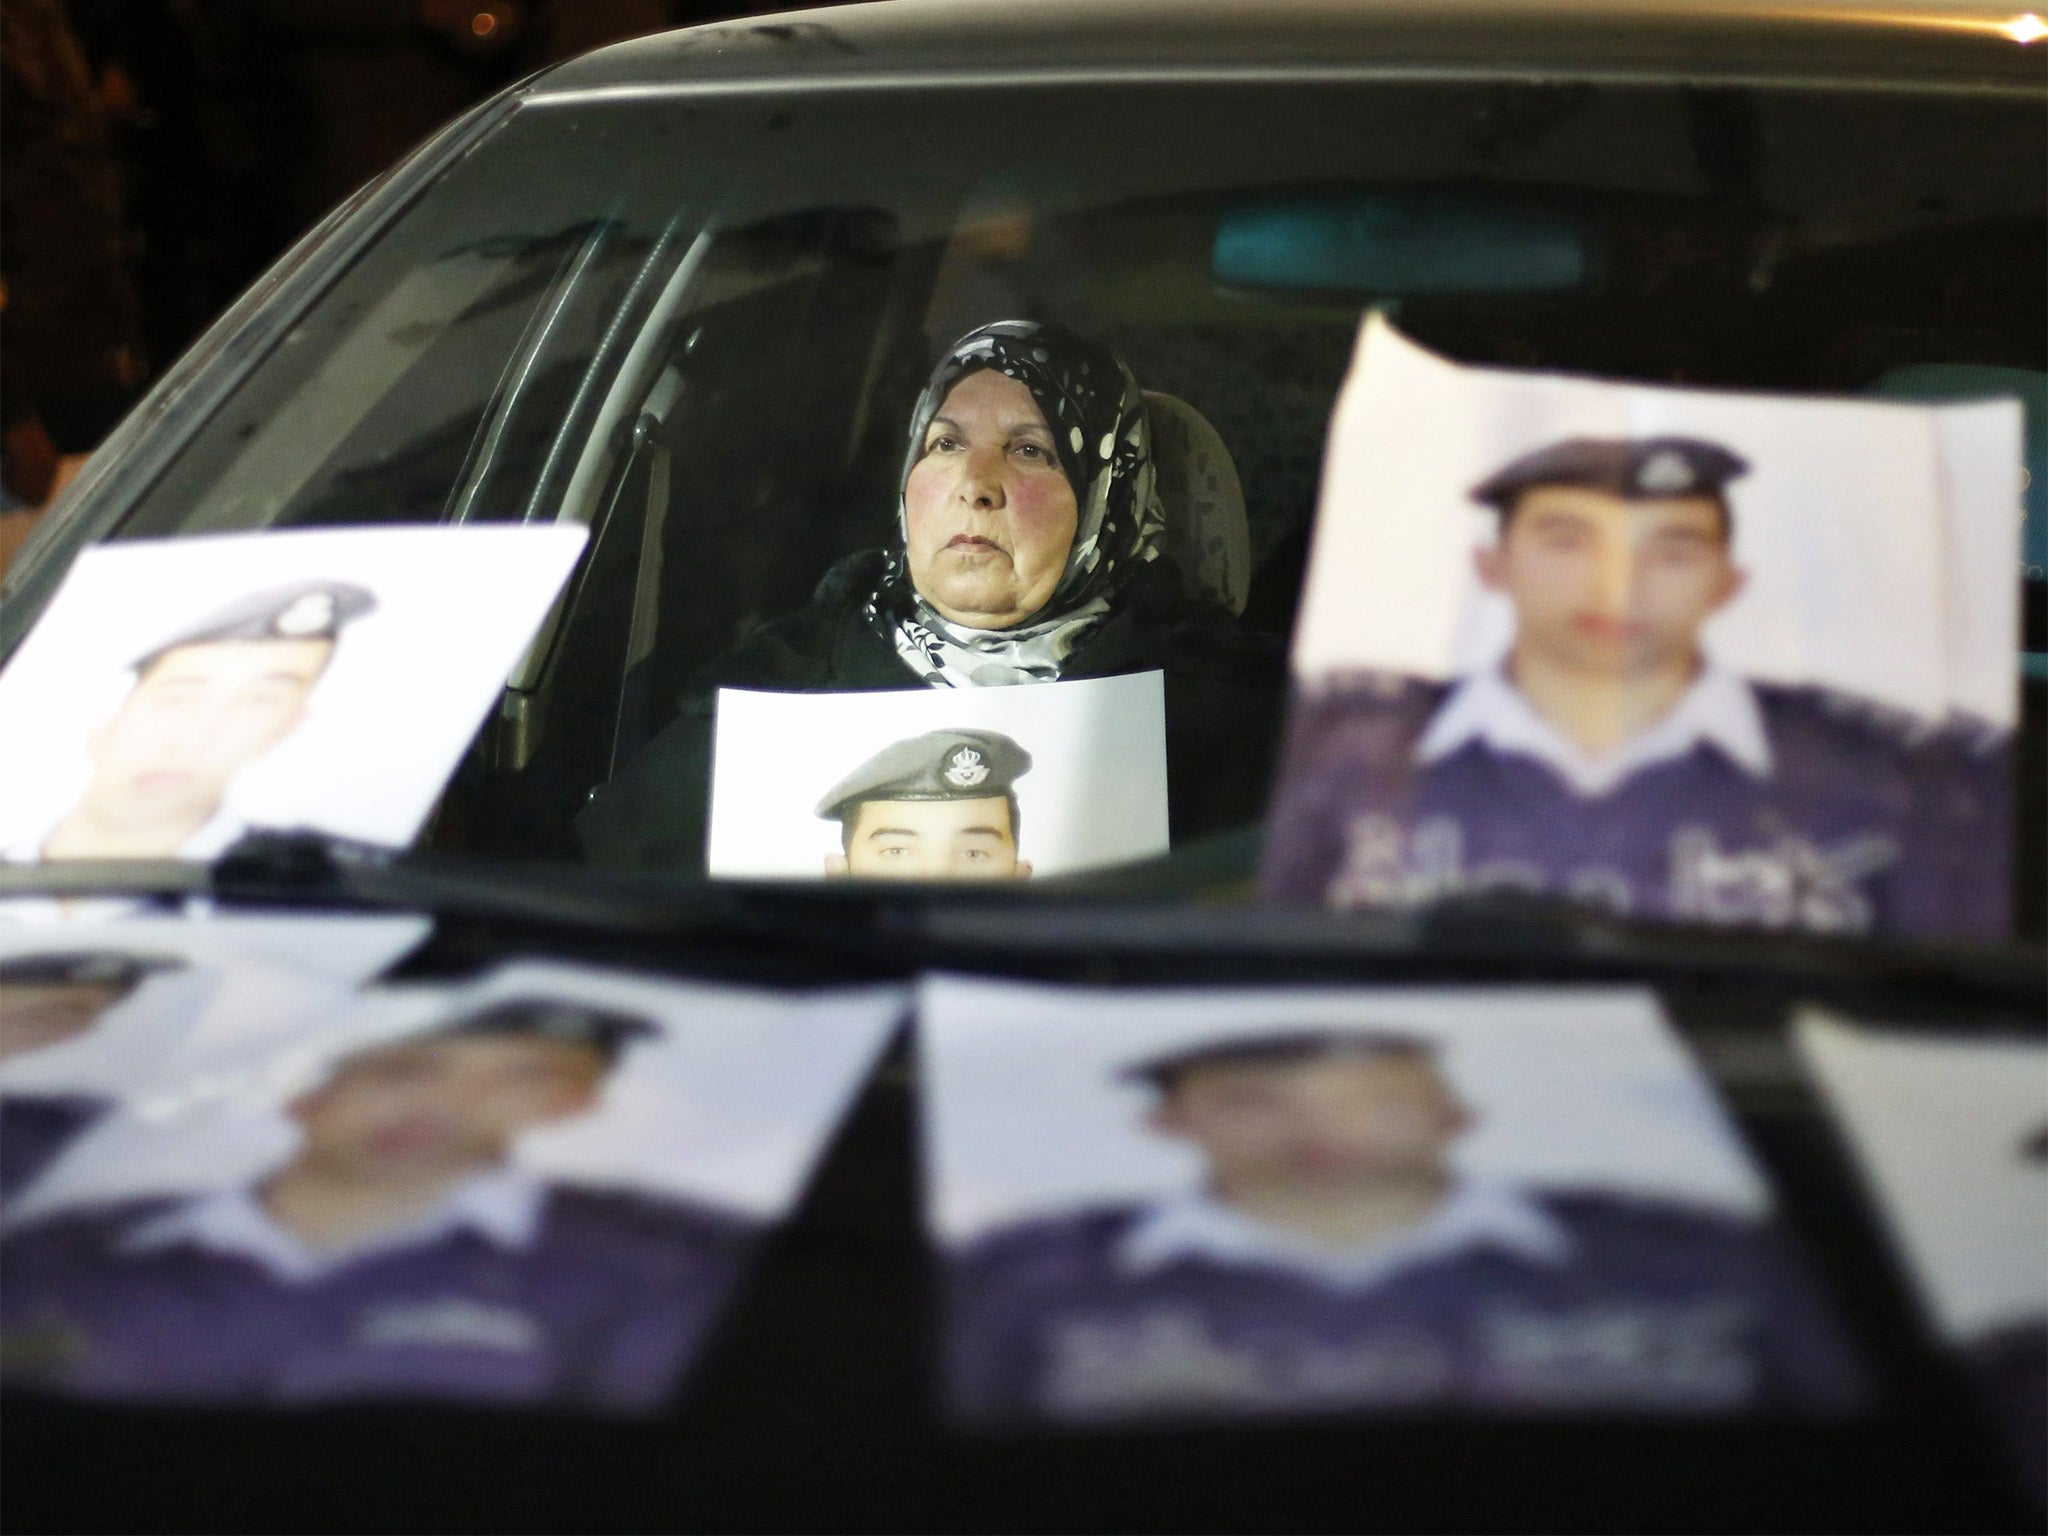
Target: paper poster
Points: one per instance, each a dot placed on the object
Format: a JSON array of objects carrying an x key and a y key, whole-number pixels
[
  {"x": 538, "y": 1189},
  {"x": 1159, "y": 1206},
  {"x": 1952, "y": 1137},
  {"x": 1682, "y": 654},
  {"x": 179, "y": 692},
  {"x": 94, "y": 1017},
  {"x": 940, "y": 783}
]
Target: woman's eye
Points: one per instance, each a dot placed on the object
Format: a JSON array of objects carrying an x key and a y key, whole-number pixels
[{"x": 1030, "y": 450}]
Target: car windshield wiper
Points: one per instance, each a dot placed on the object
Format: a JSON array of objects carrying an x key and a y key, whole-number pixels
[{"x": 1129, "y": 918}]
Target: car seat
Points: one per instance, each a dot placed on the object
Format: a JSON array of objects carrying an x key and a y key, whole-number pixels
[{"x": 1207, "y": 534}]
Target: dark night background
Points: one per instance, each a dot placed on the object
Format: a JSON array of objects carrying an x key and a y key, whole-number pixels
[{"x": 158, "y": 154}]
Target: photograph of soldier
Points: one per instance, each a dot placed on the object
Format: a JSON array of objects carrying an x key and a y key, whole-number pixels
[
  {"x": 399, "y": 1250},
  {"x": 940, "y": 806},
  {"x": 988, "y": 784},
  {"x": 1331, "y": 1259},
  {"x": 46, "y": 1000},
  {"x": 205, "y": 703},
  {"x": 175, "y": 694},
  {"x": 1610, "y": 759}
]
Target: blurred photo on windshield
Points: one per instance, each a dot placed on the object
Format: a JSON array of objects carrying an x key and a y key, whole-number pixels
[
  {"x": 1952, "y": 1137},
  {"x": 1170, "y": 1206},
  {"x": 1688, "y": 655},
  {"x": 94, "y": 1017},
  {"x": 538, "y": 1188},
  {"x": 940, "y": 784},
  {"x": 178, "y": 693}
]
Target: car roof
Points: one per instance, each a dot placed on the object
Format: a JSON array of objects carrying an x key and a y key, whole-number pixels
[{"x": 1934, "y": 44}]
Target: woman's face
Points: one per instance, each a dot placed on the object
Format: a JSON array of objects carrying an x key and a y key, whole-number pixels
[{"x": 989, "y": 513}]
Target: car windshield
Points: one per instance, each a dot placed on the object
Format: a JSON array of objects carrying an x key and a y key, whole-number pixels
[{"x": 698, "y": 323}]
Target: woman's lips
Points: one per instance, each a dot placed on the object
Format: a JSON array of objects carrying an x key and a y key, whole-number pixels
[{"x": 974, "y": 544}]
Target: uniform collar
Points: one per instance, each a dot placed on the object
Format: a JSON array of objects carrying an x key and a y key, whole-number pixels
[
  {"x": 1472, "y": 1215},
  {"x": 1718, "y": 710},
  {"x": 502, "y": 1206}
]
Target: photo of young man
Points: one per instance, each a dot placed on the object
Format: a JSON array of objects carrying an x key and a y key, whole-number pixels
[
  {"x": 46, "y": 1000},
  {"x": 1332, "y": 1259},
  {"x": 940, "y": 806},
  {"x": 1609, "y": 758},
  {"x": 204, "y": 704},
  {"x": 399, "y": 1250}
]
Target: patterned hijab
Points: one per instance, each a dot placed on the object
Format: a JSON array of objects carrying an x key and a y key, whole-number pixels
[{"x": 1096, "y": 413}]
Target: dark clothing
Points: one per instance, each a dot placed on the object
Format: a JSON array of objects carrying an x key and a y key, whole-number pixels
[
  {"x": 34, "y": 1128},
  {"x": 1656, "y": 1308},
  {"x": 1224, "y": 688},
  {"x": 602, "y": 1311},
  {"x": 1865, "y": 823}
]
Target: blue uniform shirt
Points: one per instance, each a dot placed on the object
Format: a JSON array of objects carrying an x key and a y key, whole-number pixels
[
  {"x": 600, "y": 1308},
  {"x": 1755, "y": 804},
  {"x": 1630, "y": 1306}
]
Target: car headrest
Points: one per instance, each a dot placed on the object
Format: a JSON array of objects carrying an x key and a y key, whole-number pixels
[{"x": 1207, "y": 536}]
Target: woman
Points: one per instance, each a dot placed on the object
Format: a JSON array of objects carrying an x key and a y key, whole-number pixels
[{"x": 1027, "y": 551}]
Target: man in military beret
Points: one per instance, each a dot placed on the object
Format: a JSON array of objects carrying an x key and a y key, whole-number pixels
[
  {"x": 941, "y": 806},
  {"x": 205, "y": 703},
  {"x": 1332, "y": 1259},
  {"x": 45, "y": 1000},
  {"x": 398, "y": 1251},
  {"x": 1610, "y": 759}
]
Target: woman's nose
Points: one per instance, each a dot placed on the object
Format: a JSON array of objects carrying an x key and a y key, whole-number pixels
[{"x": 982, "y": 484}]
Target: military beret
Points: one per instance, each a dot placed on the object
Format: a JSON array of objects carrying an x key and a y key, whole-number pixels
[
  {"x": 1275, "y": 1050},
  {"x": 552, "y": 1018},
  {"x": 1638, "y": 469},
  {"x": 939, "y": 765},
  {"x": 305, "y": 610},
  {"x": 84, "y": 968}
]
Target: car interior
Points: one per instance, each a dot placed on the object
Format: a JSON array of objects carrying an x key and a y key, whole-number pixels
[{"x": 713, "y": 370}]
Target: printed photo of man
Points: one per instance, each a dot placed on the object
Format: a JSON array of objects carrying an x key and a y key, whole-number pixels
[
  {"x": 398, "y": 1251},
  {"x": 1609, "y": 758},
  {"x": 46, "y": 1000},
  {"x": 205, "y": 704},
  {"x": 941, "y": 806},
  {"x": 1332, "y": 1260}
]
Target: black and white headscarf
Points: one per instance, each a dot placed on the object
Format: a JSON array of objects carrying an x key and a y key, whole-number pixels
[{"x": 1096, "y": 414}]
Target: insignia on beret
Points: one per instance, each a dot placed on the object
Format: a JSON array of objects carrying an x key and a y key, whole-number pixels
[
  {"x": 1281, "y": 1049},
  {"x": 1633, "y": 468},
  {"x": 305, "y": 610},
  {"x": 84, "y": 968},
  {"x": 306, "y": 615},
  {"x": 1665, "y": 471},
  {"x": 939, "y": 765}
]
